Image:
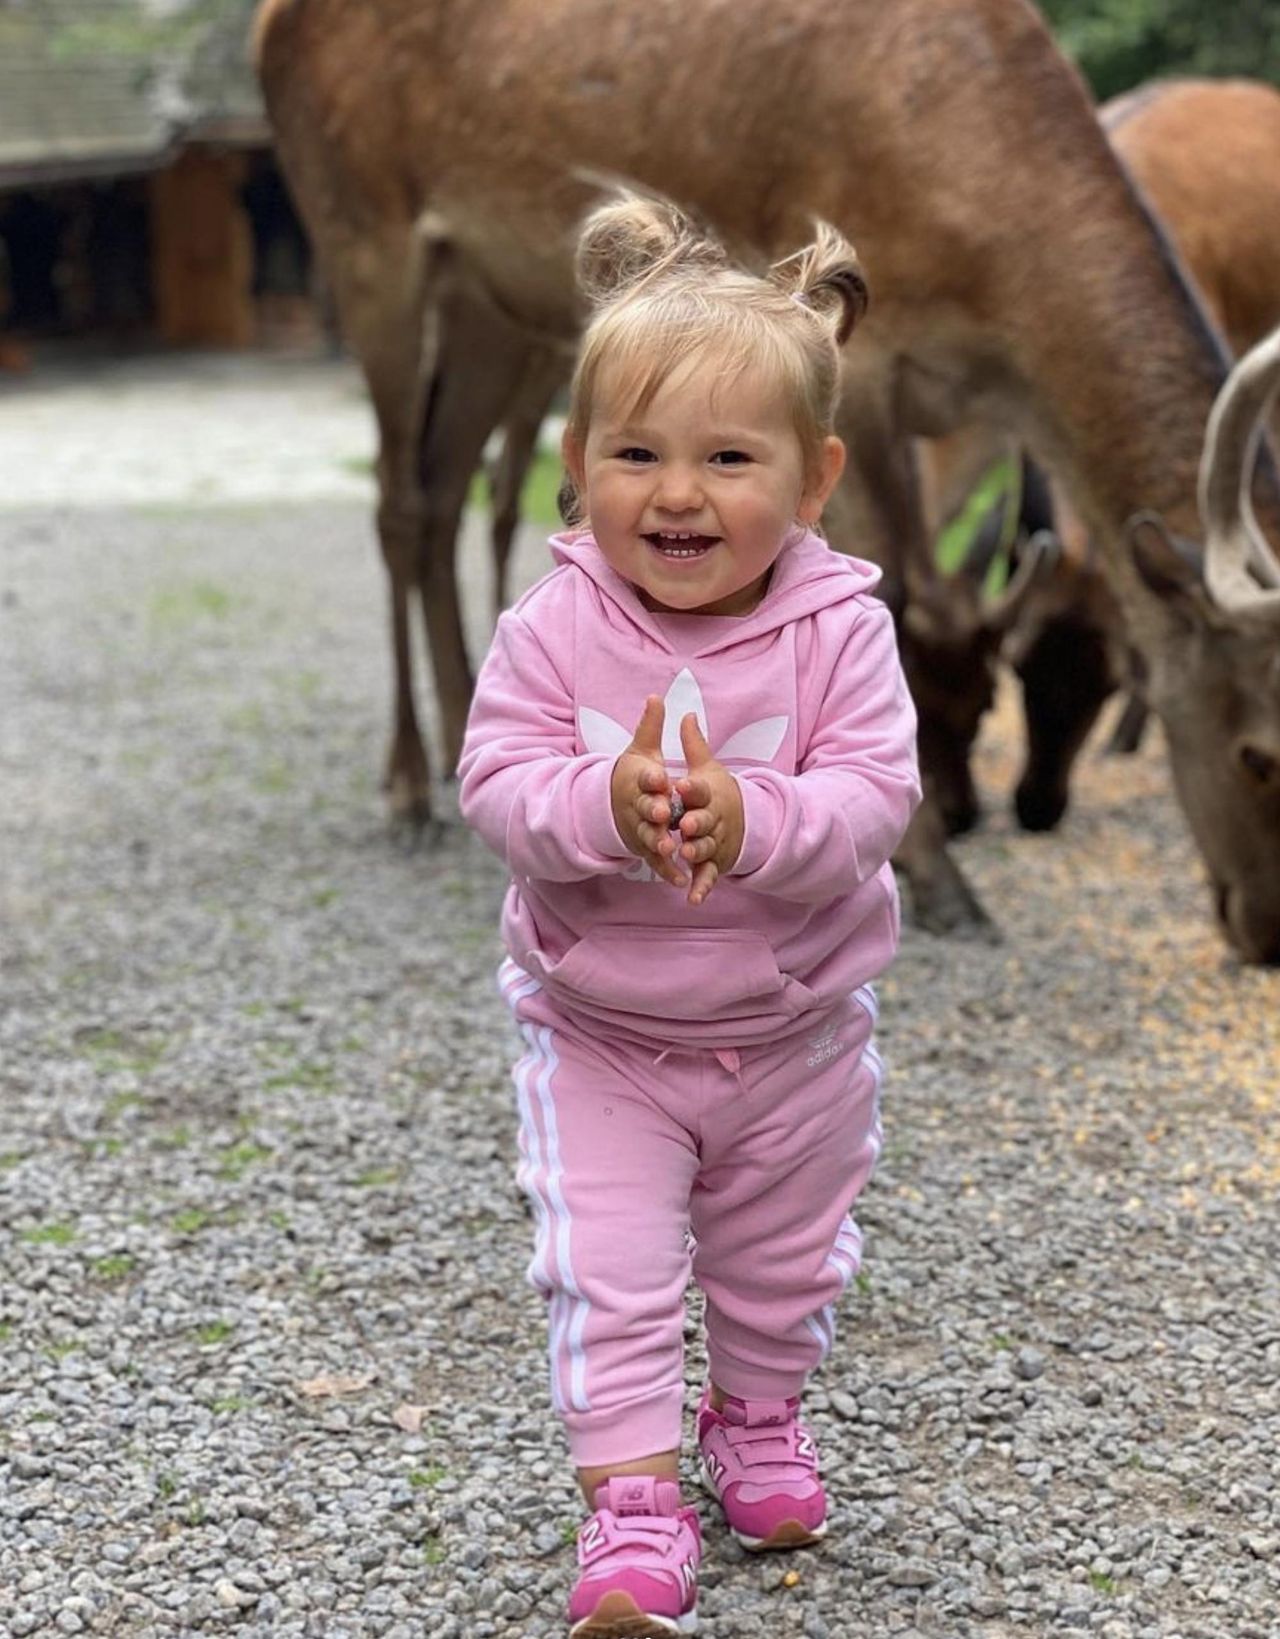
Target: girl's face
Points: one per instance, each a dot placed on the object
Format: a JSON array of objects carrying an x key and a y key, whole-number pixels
[{"x": 691, "y": 498}]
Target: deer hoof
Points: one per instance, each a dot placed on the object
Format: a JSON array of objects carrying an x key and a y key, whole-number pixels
[{"x": 948, "y": 906}]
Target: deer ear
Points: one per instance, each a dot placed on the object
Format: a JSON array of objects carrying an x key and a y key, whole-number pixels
[{"x": 1165, "y": 570}]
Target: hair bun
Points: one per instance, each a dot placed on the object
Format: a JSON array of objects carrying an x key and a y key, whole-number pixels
[
  {"x": 827, "y": 277},
  {"x": 843, "y": 290},
  {"x": 626, "y": 241}
]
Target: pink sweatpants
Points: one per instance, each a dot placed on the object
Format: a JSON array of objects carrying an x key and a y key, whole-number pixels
[{"x": 759, "y": 1152}]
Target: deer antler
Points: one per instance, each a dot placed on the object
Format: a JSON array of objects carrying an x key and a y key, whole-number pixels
[
  {"x": 1234, "y": 538},
  {"x": 1036, "y": 561}
]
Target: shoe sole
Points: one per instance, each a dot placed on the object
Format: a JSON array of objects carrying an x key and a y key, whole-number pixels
[
  {"x": 617, "y": 1616},
  {"x": 786, "y": 1535}
]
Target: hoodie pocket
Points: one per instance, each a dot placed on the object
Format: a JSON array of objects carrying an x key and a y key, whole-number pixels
[{"x": 688, "y": 973}]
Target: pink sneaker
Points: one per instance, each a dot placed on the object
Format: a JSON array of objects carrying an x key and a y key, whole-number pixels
[
  {"x": 762, "y": 1464},
  {"x": 639, "y": 1556}
]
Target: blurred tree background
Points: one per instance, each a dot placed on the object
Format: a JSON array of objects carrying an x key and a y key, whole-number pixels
[{"x": 1119, "y": 43}]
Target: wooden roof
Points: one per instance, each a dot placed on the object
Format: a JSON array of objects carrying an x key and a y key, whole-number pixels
[{"x": 104, "y": 87}]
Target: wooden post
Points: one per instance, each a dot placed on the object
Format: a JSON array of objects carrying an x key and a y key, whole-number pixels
[{"x": 202, "y": 251}]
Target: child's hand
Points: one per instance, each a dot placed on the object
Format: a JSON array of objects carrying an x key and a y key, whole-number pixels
[
  {"x": 641, "y": 792},
  {"x": 714, "y": 824}
]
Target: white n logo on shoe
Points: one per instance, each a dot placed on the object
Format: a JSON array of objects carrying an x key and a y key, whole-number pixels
[
  {"x": 805, "y": 1446},
  {"x": 689, "y": 1575},
  {"x": 715, "y": 1468},
  {"x": 591, "y": 1536}
]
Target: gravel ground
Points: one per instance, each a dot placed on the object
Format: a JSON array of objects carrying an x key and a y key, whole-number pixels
[{"x": 267, "y": 1362}]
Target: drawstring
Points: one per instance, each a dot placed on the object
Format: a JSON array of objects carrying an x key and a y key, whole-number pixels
[{"x": 728, "y": 1058}]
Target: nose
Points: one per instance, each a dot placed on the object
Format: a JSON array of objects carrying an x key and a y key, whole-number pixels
[
  {"x": 679, "y": 488},
  {"x": 1253, "y": 928}
]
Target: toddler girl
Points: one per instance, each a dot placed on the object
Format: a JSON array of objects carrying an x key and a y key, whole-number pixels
[{"x": 692, "y": 744}]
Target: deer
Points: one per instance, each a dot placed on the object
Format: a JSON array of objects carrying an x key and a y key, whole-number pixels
[
  {"x": 441, "y": 158},
  {"x": 1206, "y": 156}
]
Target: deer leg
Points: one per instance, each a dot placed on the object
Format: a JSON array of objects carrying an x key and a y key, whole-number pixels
[
  {"x": 942, "y": 900},
  {"x": 477, "y": 367},
  {"x": 524, "y": 420},
  {"x": 1126, "y": 736},
  {"x": 407, "y": 778},
  {"x": 1066, "y": 680},
  {"x": 381, "y": 304},
  {"x": 880, "y": 502}
]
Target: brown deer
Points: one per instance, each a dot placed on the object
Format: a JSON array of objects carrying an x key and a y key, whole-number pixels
[
  {"x": 441, "y": 155},
  {"x": 1206, "y": 155}
]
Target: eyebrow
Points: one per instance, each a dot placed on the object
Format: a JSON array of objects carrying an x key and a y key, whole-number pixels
[{"x": 719, "y": 436}]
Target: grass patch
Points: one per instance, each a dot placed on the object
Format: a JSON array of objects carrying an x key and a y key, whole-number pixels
[
  {"x": 49, "y": 1235},
  {"x": 315, "y": 1077},
  {"x": 247, "y": 719},
  {"x": 11, "y": 1158},
  {"x": 1100, "y": 1582},
  {"x": 537, "y": 497},
  {"x": 423, "y": 1479},
  {"x": 174, "y": 608},
  {"x": 237, "y": 1160},
  {"x": 6, "y": 1330},
  {"x": 112, "y": 1268},
  {"x": 230, "y": 1404},
  {"x": 190, "y": 1222},
  {"x": 377, "y": 1177},
  {"x": 274, "y": 780},
  {"x": 118, "y": 1103},
  {"x": 214, "y": 1334},
  {"x": 113, "y": 1050}
]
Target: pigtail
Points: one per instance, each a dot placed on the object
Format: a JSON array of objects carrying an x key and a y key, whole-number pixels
[
  {"x": 633, "y": 239},
  {"x": 826, "y": 277}
]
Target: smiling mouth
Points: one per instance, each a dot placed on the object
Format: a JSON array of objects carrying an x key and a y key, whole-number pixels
[{"x": 681, "y": 543}]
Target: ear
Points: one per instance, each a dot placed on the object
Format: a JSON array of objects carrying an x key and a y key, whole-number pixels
[
  {"x": 821, "y": 481},
  {"x": 573, "y": 455},
  {"x": 1171, "y": 578}
]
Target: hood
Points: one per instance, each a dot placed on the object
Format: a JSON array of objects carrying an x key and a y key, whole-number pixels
[{"x": 808, "y": 575}]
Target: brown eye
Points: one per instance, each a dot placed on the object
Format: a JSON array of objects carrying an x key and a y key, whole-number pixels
[{"x": 1258, "y": 764}]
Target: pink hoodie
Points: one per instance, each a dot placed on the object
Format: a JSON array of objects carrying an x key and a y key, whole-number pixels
[{"x": 803, "y": 699}]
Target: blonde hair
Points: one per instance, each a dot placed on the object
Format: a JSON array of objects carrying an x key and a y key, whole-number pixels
[{"x": 663, "y": 292}]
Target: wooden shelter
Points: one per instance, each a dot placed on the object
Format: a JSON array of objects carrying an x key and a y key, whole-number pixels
[{"x": 138, "y": 190}]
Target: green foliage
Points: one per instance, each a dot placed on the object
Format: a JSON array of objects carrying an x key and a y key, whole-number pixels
[
  {"x": 538, "y": 497},
  {"x": 49, "y": 1235},
  {"x": 1120, "y": 43}
]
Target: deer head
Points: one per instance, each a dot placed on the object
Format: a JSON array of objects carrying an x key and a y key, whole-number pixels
[
  {"x": 1215, "y": 676},
  {"x": 951, "y": 639}
]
